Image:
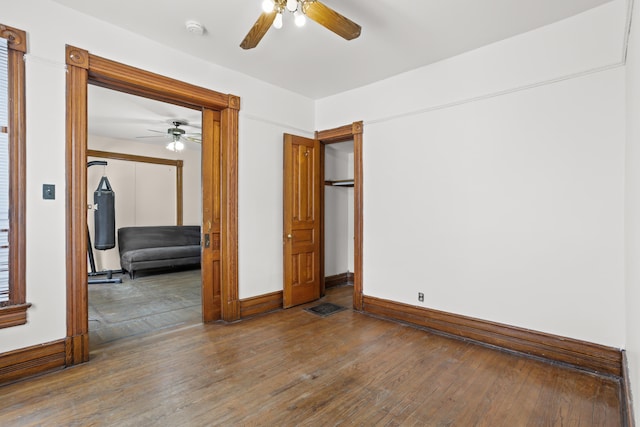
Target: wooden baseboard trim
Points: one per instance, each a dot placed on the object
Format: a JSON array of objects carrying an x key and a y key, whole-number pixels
[
  {"x": 580, "y": 354},
  {"x": 260, "y": 304},
  {"x": 338, "y": 279},
  {"x": 27, "y": 362},
  {"x": 627, "y": 403}
]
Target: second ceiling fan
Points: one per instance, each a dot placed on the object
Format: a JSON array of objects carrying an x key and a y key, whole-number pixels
[{"x": 313, "y": 9}]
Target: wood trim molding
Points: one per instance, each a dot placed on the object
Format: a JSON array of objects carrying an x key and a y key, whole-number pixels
[
  {"x": 261, "y": 304},
  {"x": 627, "y": 398},
  {"x": 13, "y": 315},
  {"x": 14, "y": 311},
  {"x": 30, "y": 361},
  {"x": 107, "y": 73},
  {"x": 353, "y": 131},
  {"x": 338, "y": 279},
  {"x": 358, "y": 208},
  {"x": 84, "y": 68},
  {"x": 580, "y": 354},
  {"x": 152, "y": 160},
  {"x": 17, "y": 39},
  {"x": 229, "y": 211},
  {"x": 76, "y": 215}
]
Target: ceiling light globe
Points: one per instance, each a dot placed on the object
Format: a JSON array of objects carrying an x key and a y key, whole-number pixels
[
  {"x": 277, "y": 23},
  {"x": 171, "y": 146},
  {"x": 300, "y": 19},
  {"x": 292, "y": 5},
  {"x": 179, "y": 146},
  {"x": 267, "y": 6}
]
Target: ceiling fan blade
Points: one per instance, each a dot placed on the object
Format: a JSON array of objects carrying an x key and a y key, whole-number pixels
[
  {"x": 258, "y": 30},
  {"x": 332, "y": 20}
]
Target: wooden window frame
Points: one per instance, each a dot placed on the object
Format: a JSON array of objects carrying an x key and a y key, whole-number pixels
[
  {"x": 178, "y": 164},
  {"x": 14, "y": 312}
]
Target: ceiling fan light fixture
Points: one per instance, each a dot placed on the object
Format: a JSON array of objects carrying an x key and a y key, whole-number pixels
[
  {"x": 267, "y": 6},
  {"x": 277, "y": 23},
  {"x": 300, "y": 19},
  {"x": 292, "y": 5}
]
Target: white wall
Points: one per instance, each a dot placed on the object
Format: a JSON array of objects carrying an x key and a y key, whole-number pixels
[
  {"x": 494, "y": 181},
  {"x": 632, "y": 217},
  {"x": 266, "y": 113},
  {"x": 336, "y": 213},
  {"x": 146, "y": 194}
]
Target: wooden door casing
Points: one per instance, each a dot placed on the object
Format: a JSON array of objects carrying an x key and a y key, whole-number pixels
[
  {"x": 302, "y": 218},
  {"x": 211, "y": 189}
]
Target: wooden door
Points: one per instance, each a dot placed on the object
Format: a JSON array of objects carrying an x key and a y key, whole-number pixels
[
  {"x": 211, "y": 187},
  {"x": 302, "y": 220}
]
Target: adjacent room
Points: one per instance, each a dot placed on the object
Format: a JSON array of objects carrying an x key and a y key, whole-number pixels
[
  {"x": 324, "y": 212},
  {"x": 155, "y": 181}
]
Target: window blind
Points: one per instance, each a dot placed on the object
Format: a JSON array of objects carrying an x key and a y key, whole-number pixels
[{"x": 4, "y": 174}]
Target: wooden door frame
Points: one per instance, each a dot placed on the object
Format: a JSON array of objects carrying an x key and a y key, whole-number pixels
[
  {"x": 353, "y": 131},
  {"x": 84, "y": 68}
]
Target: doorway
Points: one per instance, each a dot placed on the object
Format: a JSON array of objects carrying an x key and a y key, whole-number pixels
[
  {"x": 219, "y": 185},
  {"x": 303, "y": 218},
  {"x": 130, "y": 143},
  {"x": 338, "y": 214}
]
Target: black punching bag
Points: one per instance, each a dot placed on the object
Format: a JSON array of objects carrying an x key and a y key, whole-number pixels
[{"x": 104, "y": 216}]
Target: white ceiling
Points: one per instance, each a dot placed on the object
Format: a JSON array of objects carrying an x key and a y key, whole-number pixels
[{"x": 397, "y": 36}]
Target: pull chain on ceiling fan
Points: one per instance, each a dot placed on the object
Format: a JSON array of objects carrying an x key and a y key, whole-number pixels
[{"x": 313, "y": 9}]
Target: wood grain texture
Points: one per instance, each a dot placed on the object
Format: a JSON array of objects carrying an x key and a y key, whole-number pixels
[
  {"x": 30, "y": 361},
  {"x": 16, "y": 39},
  {"x": 114, "y": 75},
  {"x": 581, "y": 354},
  {"x": 358, "y": 209},
  {"x": 332, "y": 20},
  {"x": 291, "y": 368},
  {"x": 230, "y": 300},
  {"x": 84, "y": 68},
  {"x": 353, "y": 131},
  {"x": 302, "y": 220},
  {"x": 13, "y": 312},
  {"x": 259, "y": 29},
  {"x": 211, "y": 188},
  {"x": 76, "y": 205},
  {"x": 260, "y": 304}
]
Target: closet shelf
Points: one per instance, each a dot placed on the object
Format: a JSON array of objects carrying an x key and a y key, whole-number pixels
[{"x": 340, "y": 183}]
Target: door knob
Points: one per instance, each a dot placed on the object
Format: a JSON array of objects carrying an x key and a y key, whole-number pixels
[{"x": 289, "y": 236}]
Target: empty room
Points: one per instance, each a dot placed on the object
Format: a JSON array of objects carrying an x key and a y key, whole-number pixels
[{"x": 398, "y": 213}]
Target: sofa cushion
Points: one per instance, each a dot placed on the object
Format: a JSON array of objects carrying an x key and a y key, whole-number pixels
[
  {"x": 131, "y": 238},
  {"x": 153, "y": 247},
  {"x": 169, "y": 252}
]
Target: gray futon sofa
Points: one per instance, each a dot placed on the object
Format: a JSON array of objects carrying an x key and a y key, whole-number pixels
[{"x": 155, "y": 247}]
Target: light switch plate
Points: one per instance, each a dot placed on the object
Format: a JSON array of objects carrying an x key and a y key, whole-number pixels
[{"x": 48, "y": 191}]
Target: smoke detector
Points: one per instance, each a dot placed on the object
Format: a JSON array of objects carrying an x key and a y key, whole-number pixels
[{"x": 194, "y": 27}]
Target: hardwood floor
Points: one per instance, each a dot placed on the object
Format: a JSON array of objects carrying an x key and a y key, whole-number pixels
[
  {"x": 148, "y": 303},
  {"x": 292, "y": 367}
]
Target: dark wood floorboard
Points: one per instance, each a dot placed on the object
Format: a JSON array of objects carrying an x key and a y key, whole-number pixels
[
  {"x": 294, "y": 368},
  {"x": 145, "y": 304}
]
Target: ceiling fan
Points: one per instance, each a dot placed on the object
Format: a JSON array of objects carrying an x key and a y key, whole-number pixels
[
  {"x": 313, "y": 9},
  {"x": 176, "y": 134}
]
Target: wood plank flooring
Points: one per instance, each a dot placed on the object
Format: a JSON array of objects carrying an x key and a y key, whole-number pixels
[
  {"x": 292, "y": 368},
  {"x": 147, "y": 303}
]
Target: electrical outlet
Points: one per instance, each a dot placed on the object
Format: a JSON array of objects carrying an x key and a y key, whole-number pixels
[{"x": 420, "y": 297}]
